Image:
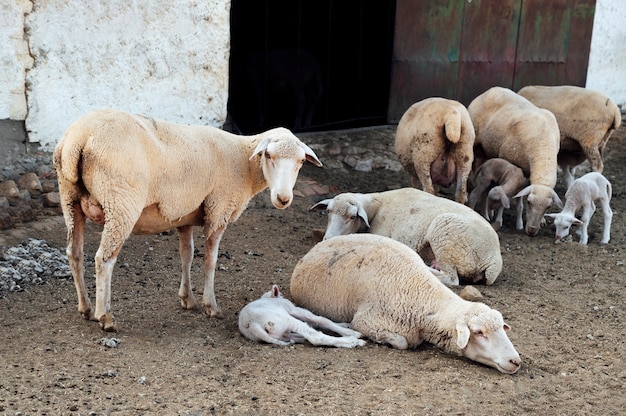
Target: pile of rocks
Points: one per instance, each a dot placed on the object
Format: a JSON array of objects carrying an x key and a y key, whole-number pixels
[
  {"x": 27, "y": 187},
  {"x": 31, "y": 262}
]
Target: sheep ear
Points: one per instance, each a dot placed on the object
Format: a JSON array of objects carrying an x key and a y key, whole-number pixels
[
  {"x": 557, "y": 200},
  {"x": 321, "y": 205},
  {"x": 275, "y": 291},
  {"x": 506, "y": 327},
  {"x": 363, "y": 215},
  {"x": 504, "y": 200},
  {"x": 260, "y": 148},
  {"x": 310, "y": 155},
  {"x": 462, "y": 335},
  {"x": 523, "y": 192},
  {"x": 553, "y": 216},
  {"x": 576, "y": 221}
]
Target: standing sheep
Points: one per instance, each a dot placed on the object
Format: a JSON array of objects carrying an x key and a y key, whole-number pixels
[
  {"x": 495, "y": 183},
  {"x": 582, "y": 195},
  {"x": 452, "y": 236},
  {"x": 139, "y": 175},
  {"x": 434, "y": 141},
  {"x": 387, "y": 293},
  {"x": 510, "y": 127},
  {"x": 275, "y": 320},
  {"x": 586, "y": 121}
]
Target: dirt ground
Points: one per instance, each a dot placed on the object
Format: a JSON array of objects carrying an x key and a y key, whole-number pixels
[{"x": 564, "y": 302}]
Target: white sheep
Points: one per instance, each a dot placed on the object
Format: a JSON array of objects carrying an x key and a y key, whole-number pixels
[
  {"x": 586, "y": 121},
  {"x": 450, "y": 236},
  {"x": 275, "y": 320},
  {"x": 510, "y": 127},
  {"x": 434, "y": 142},
  {"x": 583, "y": 193},
  {"x": 140, "y": 175},
  {"x": 387, "y": 293},
  {"x": 495, "y": 183}
]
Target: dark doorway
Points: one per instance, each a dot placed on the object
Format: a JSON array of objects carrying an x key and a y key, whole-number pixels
[{"x": 309, "y": 64}]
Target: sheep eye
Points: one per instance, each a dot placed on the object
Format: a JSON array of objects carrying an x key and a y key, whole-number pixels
[
  {"x": 479, "y": 333},
  {"x": 353, "y": 217}
]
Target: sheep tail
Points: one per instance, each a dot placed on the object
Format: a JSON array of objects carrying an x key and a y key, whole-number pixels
[
  {"x": 452, "y": 126},
  {"x": 68, "y": 154},
  {"x": 617, "y": 118}
]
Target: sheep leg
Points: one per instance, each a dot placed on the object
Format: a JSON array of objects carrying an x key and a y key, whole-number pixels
[
  {"x": 267, "y": 334},
  {"x": 595, "y": 158},
  {"x": 185, "y": 236},
  {"x": 588, "y": 210},
  {"x": 519, "y": 211},
  {"x": 211, "y": 247},
  {"x": 370, "y": 320},
  {"x": 607, "y": 215},
  {"x": 319, "y": 338},
  {"x": 75, "y": 256},
  {"x": 322, "y": 322}
]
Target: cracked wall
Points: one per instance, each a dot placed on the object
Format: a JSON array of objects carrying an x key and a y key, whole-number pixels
[{"x": 162, "y": 58}]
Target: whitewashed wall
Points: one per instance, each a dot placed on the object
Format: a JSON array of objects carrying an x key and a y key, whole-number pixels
[
  {"x": 168, "y": 59},
  {"x": 607, "y": 57}
]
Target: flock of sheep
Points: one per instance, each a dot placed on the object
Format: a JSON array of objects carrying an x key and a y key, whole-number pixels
[{"x": 387, "y": 258}]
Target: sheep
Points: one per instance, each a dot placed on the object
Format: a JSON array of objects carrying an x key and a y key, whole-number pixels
[
  {"x": 586, "y": 121},
  {"x": 387, "y": 293},
  {"x": 275, "y": 320},
  {"x": 434, "y": 141},
  {"x": 452, "y": 236},
  {"x": 495, "y": 182},
  {"x": 583, "y": 193},
  {"x": 140, "y": 175},
  {"x": 510, "y": 127}
]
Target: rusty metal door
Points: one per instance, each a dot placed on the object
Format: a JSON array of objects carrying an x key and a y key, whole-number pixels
[{"x": 458, "y": 49}]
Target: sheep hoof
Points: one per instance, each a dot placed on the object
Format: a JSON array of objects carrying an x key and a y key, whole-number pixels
[
  {"x": 88, "y": 315},
  {"x": 107, "y": 323},
  {"x": 213, "y": 312},
  {"x": 188, "y": 303}
]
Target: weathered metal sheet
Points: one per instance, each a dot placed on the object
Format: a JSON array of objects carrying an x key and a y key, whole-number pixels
[{"x": 426, "y": 51}]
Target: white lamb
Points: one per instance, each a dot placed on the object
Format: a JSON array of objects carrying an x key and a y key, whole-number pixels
[
  {"x": 586, "y": 121},
  {"x": 140, "y": 175},
  {"x": 582, "y": 195},
  {"x": 275, "y": 320},
  {"x": 495, "y": 183},
  {"x": 434, "y": 142},
  {"x": 450, "y": 236},
  {"x": 510, "y": 127},
  {"x": 387, "y": 293}
]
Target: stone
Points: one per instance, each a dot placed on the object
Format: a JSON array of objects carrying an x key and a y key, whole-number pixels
[
  {"x": 52, "y": 200},
  {"x": 9, "y": 189},
  {"x": 471, "y": 293},
  {"x": 30, "y": 182}
]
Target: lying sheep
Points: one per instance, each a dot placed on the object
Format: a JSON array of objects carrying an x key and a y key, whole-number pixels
[
  {"x": 510, "y": 127},
  {"x": 582, "y": 195},
  {"x": 495, "y": 183},
  {"x": 586, "y": 121},
  {"x": 452, "y": 236},
  {"x": 387, "y": 293},
  {"x": 434, "y": 141},
  {"x": 139, "y": 175},
  {"x": 275, "y": 320}
]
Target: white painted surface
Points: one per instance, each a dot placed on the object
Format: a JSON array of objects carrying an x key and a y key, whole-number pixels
[
  {"x": 161, "y": 58},
  {"x": 607, "y": 57},
  {"x": 14, "y": 59}
]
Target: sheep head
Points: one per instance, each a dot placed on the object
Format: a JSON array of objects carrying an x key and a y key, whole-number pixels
[
  {"x": 538, "y": 199},
  {"x": 346, "y": 215},
  {"x": 282, "y": 155},
  {"x": 481, "y": 336}
]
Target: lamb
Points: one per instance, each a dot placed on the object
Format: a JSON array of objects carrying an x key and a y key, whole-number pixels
[
  {"x": 510, "y": 127},
  {"x": 139, "y": 175},
  {"x": 384, "y": 289},
  {"x": 583, "y": 193},
  {"x": 586, "y": 121},
  {"x": 434, "y": 141},
  {"x": 455, "y": 238},
  {"x": 495, "y": 182},
  {"x": 275, "y": 320}
]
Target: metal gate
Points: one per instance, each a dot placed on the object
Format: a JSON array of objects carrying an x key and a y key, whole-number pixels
[{"x": 458, "y": 49}]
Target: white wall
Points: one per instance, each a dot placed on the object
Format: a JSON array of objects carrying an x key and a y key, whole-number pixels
[
  {"x": 607, "y": 57},
  {"x": 14, "y": 59},
  {"x": 167, "y": 59}
]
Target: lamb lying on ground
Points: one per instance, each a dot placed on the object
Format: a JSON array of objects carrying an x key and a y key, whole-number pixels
[
  {"x": 139, "y": 175},
  {"x": 586, "y": 121},
  {"x": 450, "y": 236},
  {"x": 275, "y": 320},
  {"x": 495, "y": 183},
  {"x": 582, "y": 195},
  {"x": 510, "y": 127},
  {"x": 434, "y": 142},
  {"x": 389, "y": 295}
]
